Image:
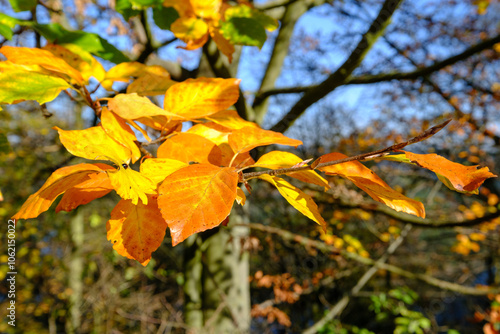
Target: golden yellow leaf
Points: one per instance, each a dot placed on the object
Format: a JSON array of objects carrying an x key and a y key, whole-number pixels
[
  {"x": 136, "y": 230},
  {"x": 207, "y": 9},
  {"x": 43, "y": 58},
  {"x": 373, "y": 185},
  {"x": 224, "y": 45},
  {"x": 240, "y": 196},
  {"x": 247, "y": 138},
  {"x": 118, "y": 129},
  {"x": 158, "y": 169},
  {"x": 202, "y": 97},
  {"x": 191, "y": 30},
  {"x": 132, "y": 185},
  {"x": 215, "y": 133},
  {"x": 150, "y": 84},
  {"x": 197, "y": 198},
  {"x": 297, "y": 198},
  {"x": 280, "y": 159},
  {"x": 133, "y": 106},
  {"x": 230, "y": 119},
  {"x": 123, "y": 72}
]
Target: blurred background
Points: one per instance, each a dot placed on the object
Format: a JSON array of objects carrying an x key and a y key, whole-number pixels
[{"x": 436, "y": 60}]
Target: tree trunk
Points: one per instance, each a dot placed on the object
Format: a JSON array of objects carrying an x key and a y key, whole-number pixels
[{"x": 75, "y": 273}]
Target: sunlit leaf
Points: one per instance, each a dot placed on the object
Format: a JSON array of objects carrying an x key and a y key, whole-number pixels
[
  {"x": 133, "y": 106},
  {"x": 183, "y": 8},
  {"x": 191, "y": 30},
  {"x": 7, "y": 23},
  {"x": 188, "y": 147},
  {"x": 264, "y": 20},
  {"x": 280, "y": 159},
  {"x": 230, "y": 119},
  {"x": 247, "y": 138},
  {"x": 244, "y": 31},
  {"x": 23, "y": 5},
  {"x": 465, "y": 179},
  {"x": 297, "y": 198},
  {"x": 223, "y": 44},
  {"x": 94, "y": 144},
  {"x": 197, "y": 198},
  {"x": 150, "y": 84},
  {"x": 96, "y": 186},
  {"x": 136, "y": 230},
  {"x": 197, "y": 98},
  {"x": 61, "y": 180},
  {"x": 43, "y": 58},
  {"x": 240, "y": 196},
  {"x": 124, "y": 7},
  {"x": 118, "y": 129},
  {"x": 130, "y": 184},
  {"x": 373, "y": 185},
  {"x": 217, "y": 134},
  {"x": 158, "y": 169},
  {"x": 207, "y": 9},
  {"x": 125, "y": 72},
  {"x": 19, "y": 83}
]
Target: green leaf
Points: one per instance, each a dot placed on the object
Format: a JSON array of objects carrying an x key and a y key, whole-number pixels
[
  {"x": 164, "y": 17},
  {"x": 4, "y": 143},
  {"x": 144, "y": 3},
  {"x": 244, "y": 31},
  {"x": 124, "y": 7},
  {"x": 17, "y": 84},
  {"x": 265, "y": 21},
  {"x": 7, "y": 23},
  {"x": 23, "y": 5}
]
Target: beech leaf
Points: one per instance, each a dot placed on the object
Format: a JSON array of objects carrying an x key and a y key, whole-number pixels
[
  {"x": 197, "y": 198},
  {"x": 158, "y": 169},
  {"x": 136, "y": 230},
  {"x": 280, "y": 159},
  {"x": 297, "y": 198},
  {"x": 130, "y": 184},
  {"x": 133, "y": 106},
  {"x": 247, "y": 138},
  {"x": 198, "y": 98},
  {"x": 60, "y": 181},
  {"x": 188, "y": 147},
  {"x": 373, "y": 185}
]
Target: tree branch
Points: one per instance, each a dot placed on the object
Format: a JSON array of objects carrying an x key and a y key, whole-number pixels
[
  {"x": 339, "y": 77},
  {"x": 339, "y": 307},
  {"x": 321, "y": 246},
  {"x": 360, "y": 157}
]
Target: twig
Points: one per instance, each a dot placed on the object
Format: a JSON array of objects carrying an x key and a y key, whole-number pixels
[{"x": 365, "y": 156}]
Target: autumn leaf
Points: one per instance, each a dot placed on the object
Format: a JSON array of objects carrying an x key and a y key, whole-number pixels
[
  {"x": 230, "y": 119},
  {"x": 373, "y": 185},
  {"x": 43, "y": 58},
  {"x": 222, "y": 43},
  {"x": 158, "y": 169},
  {"x": 241, "y": 198},
  {"x": 130, "y": 184},
  {"x": 21, "y": 82},
  {"x": 118, "y": 129},
  {"x": 196, "y": 198},
  {"x": 207, "y": 9},
  {"x": 96, "y": 186},
  {"x": 94, "y": 144},
  {"x": 150, "y": 84},
  {"x": 188, "y": 147},
  {"x": 126, "y": 71},
  {"x": 191, "y": 30},
  {"x": 133, "y": 106},
  {"x": 216, "y": 133},
  {"x": 297, "y": 198},
  {"x": 280, "y": 159},
  {"x": 247, "y": 138},
  {"x": 198, "y": 98},
  {"x": 464, "y": 179},
  {"x": 60, "y": 181},
  {"x": 136, "y": 230}
]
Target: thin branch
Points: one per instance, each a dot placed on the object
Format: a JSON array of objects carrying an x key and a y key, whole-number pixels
[
  {"x": 339, "y": 77},
  {"x": 321, "y": 246},
  {"x": 413, "y": 75},
  {"x": 337, "y": 309},
  {"x": 360, "y": 157}
]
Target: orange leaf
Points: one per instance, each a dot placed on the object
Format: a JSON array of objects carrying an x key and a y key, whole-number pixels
[
  {"x": 43, "y": 58},
  {"x": 373, "y": 185},
  {"x": 158, "y": 169},
  {"x": 94, "y": 144},
  {"x": 118, "y": 129},
  {"x": 247, "y": 138},
  {"x": 188, "y": 147},
  {"x": 96, "y": 186},
  {"x": 223, "y": 44},
  {"x": 133, "y": 106},
  {"x": 241, "y": 198},
  {"x": 61, "y": 180},
  {"x": 136, "y": 231},
  {"x": 280, "y": 159},
  {"x": 197, "y": 98},
  {"x": 197, "y": 198},
  {"x": 215, "y": 133},
  {"x": 466, "y": 179},
  {"x": 125, "y": 72},
  {"x": 297, "y": 198}
]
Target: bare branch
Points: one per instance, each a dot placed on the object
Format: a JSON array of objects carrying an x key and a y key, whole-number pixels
[
  {"x": 339, "y": 77},
  {"x": 360, "y": 157}
]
